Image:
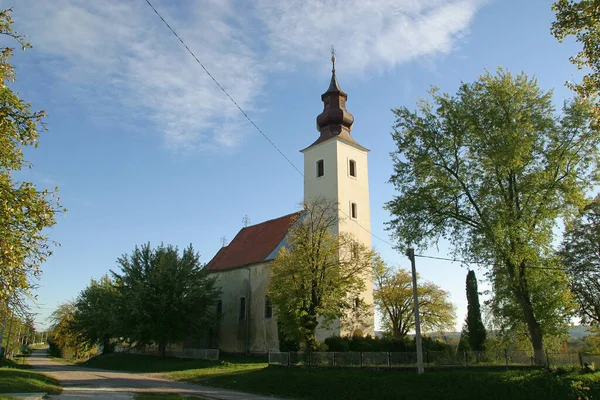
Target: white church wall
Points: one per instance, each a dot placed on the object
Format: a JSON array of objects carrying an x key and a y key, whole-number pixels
[{"x": 254, "y": 333}]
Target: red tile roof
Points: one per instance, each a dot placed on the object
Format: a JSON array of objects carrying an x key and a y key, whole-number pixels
[{"x": 252, "y": 244}]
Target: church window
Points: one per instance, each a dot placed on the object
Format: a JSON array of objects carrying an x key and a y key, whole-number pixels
[
  {"x": 219, "y": 307},
  {"x": 353, "y": 210},
  {"x": 356, "y": 302},
  {"x": 268, "y": 308},
  {"x": 320, "y": 168},
  {"x": 242, "y": 308},
  {"x": 352, "y": 168},
  {"x": 354, "y": 250}
]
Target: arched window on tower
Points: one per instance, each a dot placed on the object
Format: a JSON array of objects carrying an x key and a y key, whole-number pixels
[
  {"x": 353, "y": 210},
  {"x": 352, "y": 168},
  {"x": 320, "y": 168}
]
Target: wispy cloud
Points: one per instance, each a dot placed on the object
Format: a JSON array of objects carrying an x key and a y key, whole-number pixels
[
  {"x": 118, "y": 54},
  {"x": 368, "y": 34}
]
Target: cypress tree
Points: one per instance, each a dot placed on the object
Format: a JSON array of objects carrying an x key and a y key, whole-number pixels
[{"x": 474, "y": 325}]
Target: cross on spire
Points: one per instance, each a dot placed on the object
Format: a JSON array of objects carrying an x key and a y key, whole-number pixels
[{"x": 332, "y": 59}]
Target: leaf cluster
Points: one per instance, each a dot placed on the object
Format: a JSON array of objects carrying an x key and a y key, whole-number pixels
[
  {"x": 319, "y": 276},
  {"x": 165, "y": 296},
  {"x": 579, "y": 252},
  {"x": 492, "y": 169},
  {"x": 393, "y": 296},
  {"x": 581, "y": 19},
  {"x": 24, "y": 210}
]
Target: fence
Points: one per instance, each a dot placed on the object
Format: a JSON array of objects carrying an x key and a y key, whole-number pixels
[
  {"x": 204, "y": 354},
  {"x": 430, "y": 359}
]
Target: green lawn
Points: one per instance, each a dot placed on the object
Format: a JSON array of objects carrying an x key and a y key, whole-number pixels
[
  {"x": 354, "y": 383},
  {"x": 163, "y": 396},
  {"x": 17, "y": 380}
]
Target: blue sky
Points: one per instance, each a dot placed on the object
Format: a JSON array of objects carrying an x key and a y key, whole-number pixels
[{"x": 144, "y": 147}]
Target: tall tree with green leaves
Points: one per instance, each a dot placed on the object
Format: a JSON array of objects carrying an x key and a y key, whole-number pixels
[
  {"x": 474, "y": 328},
  {"x": 580, "y": 253},
  {"x": 24, "y": 210},
  {"x": 492, "y": 169},
  {"x": 166, "y": 297},
  {"x": 65, "y": 337},
  {"x": 581, "y": 19},
  {"x": 319, "y": 277},
  {"x": 97, "y": 316},
  {"x": 393, "y": 296}
]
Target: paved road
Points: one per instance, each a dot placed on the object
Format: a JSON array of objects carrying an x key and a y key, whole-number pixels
[{"x": 89, "y": 383}]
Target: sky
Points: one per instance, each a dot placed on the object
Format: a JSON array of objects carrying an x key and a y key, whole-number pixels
[{"x": 145, "y": 147}]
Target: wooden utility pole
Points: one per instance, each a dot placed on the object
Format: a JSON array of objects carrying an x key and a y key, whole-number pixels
[{"x": 410, "y": 252}]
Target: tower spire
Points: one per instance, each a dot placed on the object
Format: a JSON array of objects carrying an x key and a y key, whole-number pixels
[{"x": 335, "y": 119}]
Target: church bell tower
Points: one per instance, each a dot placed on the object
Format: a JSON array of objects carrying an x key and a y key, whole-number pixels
[{"x": 336, "y": 168}]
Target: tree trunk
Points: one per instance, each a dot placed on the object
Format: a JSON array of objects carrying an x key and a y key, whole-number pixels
[
  {"x": 106, "y": 346},
  {"x": 535, "y": 332},
  {"x": 162, "y": 350}
]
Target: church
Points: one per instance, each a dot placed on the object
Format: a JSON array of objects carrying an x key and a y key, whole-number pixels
[{"x": 336, "y": 168}]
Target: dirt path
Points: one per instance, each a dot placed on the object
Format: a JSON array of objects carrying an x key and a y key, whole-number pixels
[{"x": 89, "y": 383}]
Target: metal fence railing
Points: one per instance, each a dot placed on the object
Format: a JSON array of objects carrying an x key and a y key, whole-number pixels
[
  {"x": 201, "y": 354},
  {"x": 430, "y": 358}
]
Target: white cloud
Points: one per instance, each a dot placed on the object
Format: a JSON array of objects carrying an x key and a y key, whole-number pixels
[
  {"x": 122, "y": 60},
  {"x": 367, "y": 34},
  {"x": 121, "y": 56}
]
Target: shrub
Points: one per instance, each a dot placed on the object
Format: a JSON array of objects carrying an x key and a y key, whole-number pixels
[{"x": 368, "y": 344}]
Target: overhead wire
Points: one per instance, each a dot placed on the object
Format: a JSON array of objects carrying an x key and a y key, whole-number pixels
[
  {"x": 247, "y": 116},
  {"x": 283, "y": 154}
]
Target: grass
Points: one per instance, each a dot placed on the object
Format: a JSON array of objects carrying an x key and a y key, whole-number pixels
[
  {"x": 163, "y": 396},
  {"x": 248, "y": 375},
  {"x": 18, "y": 380}
]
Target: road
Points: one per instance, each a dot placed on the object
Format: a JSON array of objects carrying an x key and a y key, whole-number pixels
[{"x": 89, "y": 383}]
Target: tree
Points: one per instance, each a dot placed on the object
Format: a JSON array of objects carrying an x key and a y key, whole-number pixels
[
  {"x": 474, "y": 329},
  {"x": 582, "y": 19},
  {"x": 580, "y": 252},
  {"x": 165, "y": 297},
  {"x": 492, "y": 169},
  {"x": 24, "y": 210},
  {"x": 393, "y": 295},
  {"x": 97, "y": 316},
  {"x": 66, "y": 338},
  {"x": 319, "y": 277}
]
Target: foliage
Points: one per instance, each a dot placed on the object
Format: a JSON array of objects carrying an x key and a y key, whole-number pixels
[
  {"x": 492, "y": 169},
  {"x": 165, "y": 297},
  {"x": 97, "y": 318},
  {"x": 24, "y": 211},
  {"x": 319, "y": 276},
  {"x": 16, "y": 330},
  {"x": 475, "y": 331},
  {"x": 66, "y": 337},
  {"x": 385, "y": 344},
  {"x": 393, "y": 296},
  {"x": 579, "y": 253},
  {"x": 581, "y": 19}
]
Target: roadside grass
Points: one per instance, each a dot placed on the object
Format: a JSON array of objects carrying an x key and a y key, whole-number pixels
[
  {"x": 253, "y": 376},
  {"x": 163, "y": 396},
  {"x": 17, "y": 380}
]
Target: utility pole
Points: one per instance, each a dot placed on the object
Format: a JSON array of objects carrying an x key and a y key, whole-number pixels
[{"x": 410, "y": 252}]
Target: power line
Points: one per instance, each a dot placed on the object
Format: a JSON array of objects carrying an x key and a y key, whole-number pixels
[
  {"x": 250, "y": 119},
  {"x": 221, "y": 87},
  {"x": 483, "y": 263}
]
